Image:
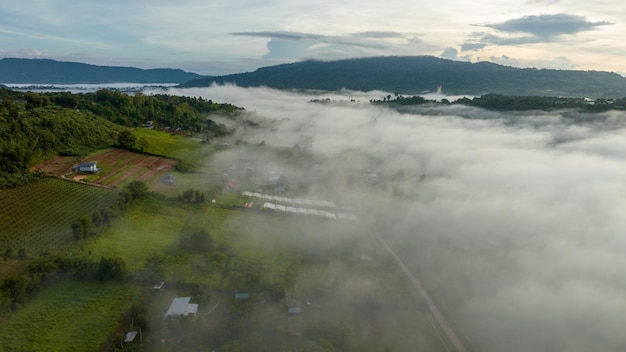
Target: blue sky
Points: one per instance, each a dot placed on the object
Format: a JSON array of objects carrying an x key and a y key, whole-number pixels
[{"x": 219, "y": 37}]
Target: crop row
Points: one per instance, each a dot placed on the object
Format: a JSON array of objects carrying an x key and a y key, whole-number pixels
[{"x": 39, "y": 215}]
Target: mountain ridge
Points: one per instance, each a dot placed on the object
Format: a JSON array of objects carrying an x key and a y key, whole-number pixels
[
  {"x": 48, "y": 71},
  {"x": 419, "y": 74}
]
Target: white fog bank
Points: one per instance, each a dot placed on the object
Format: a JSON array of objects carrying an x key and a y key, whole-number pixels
[{"x": 514, "y": 221}]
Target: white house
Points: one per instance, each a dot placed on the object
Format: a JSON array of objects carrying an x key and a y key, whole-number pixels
[{"x": 90, "y": 167}]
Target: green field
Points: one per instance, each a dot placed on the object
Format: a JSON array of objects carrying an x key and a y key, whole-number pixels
[
  {"x": 38, "y": 216},
  {"x": 69, "y": 316},
  {"x": 174, "y": 146}
]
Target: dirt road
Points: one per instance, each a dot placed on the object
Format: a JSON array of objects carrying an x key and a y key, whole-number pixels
[{"x": 443, "y": 323}]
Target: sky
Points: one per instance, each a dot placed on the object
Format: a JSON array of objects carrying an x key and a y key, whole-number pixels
[
  {"x": 220, "y": 37},
  {"x": 512, "y": 220}
]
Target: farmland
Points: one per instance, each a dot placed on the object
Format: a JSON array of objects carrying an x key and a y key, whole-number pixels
[{"x": 37, "y": 216}]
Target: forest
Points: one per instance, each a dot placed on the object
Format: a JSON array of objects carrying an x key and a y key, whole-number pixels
[
  {"x": 419, "y": 74},
  {"x": 39, "y": 126}
]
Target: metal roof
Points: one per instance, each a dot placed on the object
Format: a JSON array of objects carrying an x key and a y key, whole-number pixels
[{"x": 179, "y": 306}]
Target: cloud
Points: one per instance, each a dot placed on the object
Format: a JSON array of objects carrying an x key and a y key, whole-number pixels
[
  {"x": 531, "y": 30},
  {"x": 453, "y": 54},
  {"x": 23, "y": 52},
  {"x": 289, "y": 45},
  {"x": 513, "y": 220},
  {"x": 472, "y": 46},
  {"x": 546, "y": 26}
]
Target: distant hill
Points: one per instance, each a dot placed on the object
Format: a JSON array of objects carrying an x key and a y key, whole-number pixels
[
  {"x": 417, "y": 74},
  {"x": 44, "y": 71}
]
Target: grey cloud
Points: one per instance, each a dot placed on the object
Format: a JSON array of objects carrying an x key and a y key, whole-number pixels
[
  {"x": 472, "y": 46},
  {"x": 297, "y": 45},
  {"x": 281, "y": 35},
  {"x": 547, "y": 25},
  {"x": 379, "y": 34},
  {"x": 450, "y": 53},
  {"x": 368, "y": 39},
  {"x": 533, "y": 29}
]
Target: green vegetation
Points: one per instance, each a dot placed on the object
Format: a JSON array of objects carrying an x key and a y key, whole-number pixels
[
  {"x": 38, "y": 216},
  {"x": 167, "y": 144},
  {"x": 69, "y": 316},
  {"x": 419, "y": 74},
  {"x": 513, "y": 103},
  {"x": 46, "y": 71},
  {"x": 39, "y": 126}
]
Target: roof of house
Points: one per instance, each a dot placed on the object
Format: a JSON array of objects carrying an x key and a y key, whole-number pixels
[
  {"x": 130, "y": 336},
  {"x": 242, "y": 295},
  {"x": 294, "y": 310},
  {"x": 192, "y": 308},
  {"x": 179, "y": 306},
  {"x": 88, "y": 163}
]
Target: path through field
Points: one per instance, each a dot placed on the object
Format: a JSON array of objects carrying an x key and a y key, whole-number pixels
[{"x": 443, "y": 323}]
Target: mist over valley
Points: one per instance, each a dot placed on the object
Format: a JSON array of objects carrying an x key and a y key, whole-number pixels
[{"x": 511, "y": 220}]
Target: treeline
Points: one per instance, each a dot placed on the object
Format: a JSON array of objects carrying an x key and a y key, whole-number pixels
[
  {"x": 38, "y": 126},
  {"x": 17, "y": 290},
  {"x": 513, "y": 103},
  {"x": 519, "y": 103}
]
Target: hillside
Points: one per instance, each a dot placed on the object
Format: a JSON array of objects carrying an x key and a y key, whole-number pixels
[
  {"x": 417, "y": 74},
  {"x": 45, "y": 71}
]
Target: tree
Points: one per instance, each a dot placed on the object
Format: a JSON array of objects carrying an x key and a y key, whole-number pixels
[
  {"x": 111, "y": 269},
  {"x": 154, "y": 267},
  {"x": 196, "y": 242},
  {"x": 82, "y": 227},
  {"x": 137, "y": 189},
  {"x": 126, "y": 139},
  {"x": 96, "y": 219}
]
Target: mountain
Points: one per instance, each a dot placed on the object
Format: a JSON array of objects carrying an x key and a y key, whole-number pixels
[
  {"x": 418, "y": 74},
  {"x": 45, "y": 71}
]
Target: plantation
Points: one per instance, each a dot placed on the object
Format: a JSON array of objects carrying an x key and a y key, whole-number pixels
[{"x": 37, "y": 216}]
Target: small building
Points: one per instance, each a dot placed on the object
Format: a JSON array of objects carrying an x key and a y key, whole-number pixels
[
  {"x": 294, "y": 321},
  {"x": 130, "y": 336},
  {"x": 88, "y": 167},
  {"x": 181, "y": 306},
  {"x": 169, "y": 179},
  {"x": 242, "y": 296}
]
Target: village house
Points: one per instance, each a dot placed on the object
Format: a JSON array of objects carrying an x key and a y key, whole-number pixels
[{"x": 89, "y": 167}]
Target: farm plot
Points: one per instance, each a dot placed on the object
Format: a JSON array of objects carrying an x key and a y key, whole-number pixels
[
  {"x": 118, "y": 167},
  {"x": 38, "y": 216}
]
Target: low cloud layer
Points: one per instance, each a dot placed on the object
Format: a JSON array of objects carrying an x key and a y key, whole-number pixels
[{"x": 513, "y": 221}]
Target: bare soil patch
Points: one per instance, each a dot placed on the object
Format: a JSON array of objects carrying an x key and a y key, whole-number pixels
[{"x": 118, "y": 166}]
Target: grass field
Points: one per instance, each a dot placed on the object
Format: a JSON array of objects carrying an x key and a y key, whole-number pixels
[
  {"x": 162, "y": 143},
  {"x": 69, "y": 316},
  {"x": 38, "y": 216}
]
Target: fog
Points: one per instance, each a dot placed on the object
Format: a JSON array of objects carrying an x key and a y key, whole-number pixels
[{"x": 513, "y": 221}]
